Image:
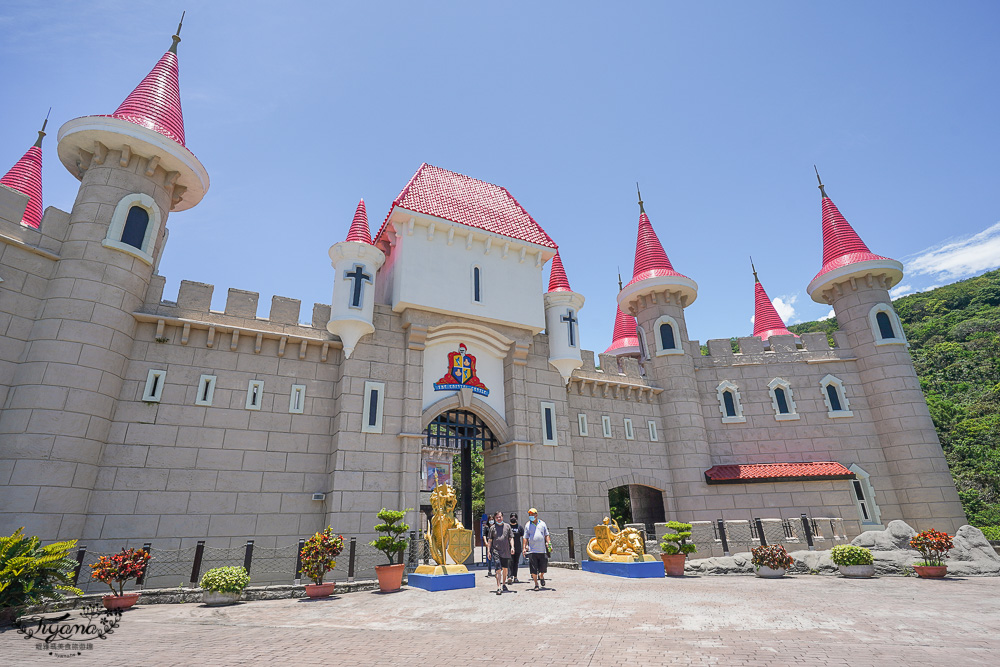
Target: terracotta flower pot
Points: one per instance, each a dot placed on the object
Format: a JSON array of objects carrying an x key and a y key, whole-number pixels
[
  {"x": 320, "y": 590},
  {"x": 220, "y": 598},
  {"x": 674, "y": 564},
  {"x": 857, "y": 571},
  {"x": 931, "y": 571},
  {"x": 119, "y": 602},
  {"x": 767, "y": 573},
  {"x": 390, "y": 577}
]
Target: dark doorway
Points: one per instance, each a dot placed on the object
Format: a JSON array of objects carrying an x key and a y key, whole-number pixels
[{"x": 463, "y": 432}]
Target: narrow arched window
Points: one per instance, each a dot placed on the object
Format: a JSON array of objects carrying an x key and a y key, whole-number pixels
[
  {"x": 884, "y": 325},
  {"x": 782, "y": 400},
  {"x": 477, "y": 287},
  {"x": 831, "y": 392},
  {"x": 727, "y": 399},
  {"x": 134, "y": 233},
  {"x": 667, "y": 337}
]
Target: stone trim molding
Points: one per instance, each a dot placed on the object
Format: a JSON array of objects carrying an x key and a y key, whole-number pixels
[
  {"x": 113, "y": 239},
  {"x": 897, "y": 327},
  {"x": 678, "y": 347},
  {"x": 627, "y": 480},
  {"x": 727, "y": 386},
  {"x": 476, "y": 406},
  {"x": 837, "y": 383},
  {"x": 780, "y": 383}
]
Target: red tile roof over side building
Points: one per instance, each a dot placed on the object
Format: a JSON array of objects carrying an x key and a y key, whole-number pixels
[
  {"x": 470, "y": 202},
  {"x": 748, "y": 473}
]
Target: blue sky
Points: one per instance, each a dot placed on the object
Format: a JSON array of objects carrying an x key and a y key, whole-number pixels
[{"x": 718, "y": 109}]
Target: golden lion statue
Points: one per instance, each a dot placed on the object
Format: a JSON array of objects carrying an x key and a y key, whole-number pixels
[{"x": 615, "y": 545}]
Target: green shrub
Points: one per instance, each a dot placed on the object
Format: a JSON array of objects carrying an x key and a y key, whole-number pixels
[
  {"x": 390, "y": 543},
  {"x": 991, "y": 532},
  {"x": 30, "y": 572},
  {"x": 225, "y": 579},
  {"x": 677, "y": 541},
  {"x": 846, "y": 554}
]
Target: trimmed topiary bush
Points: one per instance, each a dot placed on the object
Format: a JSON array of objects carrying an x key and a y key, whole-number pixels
[
  {"x": 846, "y": 554},
  {"x": 677, "y": 541}
]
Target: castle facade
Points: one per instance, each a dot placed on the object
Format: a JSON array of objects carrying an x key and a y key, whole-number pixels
[{"x": 130, "y": 417}]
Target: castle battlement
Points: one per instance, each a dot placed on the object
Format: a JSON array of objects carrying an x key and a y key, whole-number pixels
[
  {"x": 811, "y": 348},
  {"x": 616, "y": 377},
  {"x": 46, "y": 240}
]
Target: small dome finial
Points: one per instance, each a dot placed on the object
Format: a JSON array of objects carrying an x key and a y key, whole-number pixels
[
  {"x": 754, "y": 269},
  {"x": 177, "y": 35},
  {"x": 821, "y": 190},
  {"x": 641, "y": 209},
  {"x": 41, "y": 132}
]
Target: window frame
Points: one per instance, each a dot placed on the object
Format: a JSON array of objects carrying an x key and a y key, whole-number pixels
[
  {"x": 654, "y": 436},
  {"x": 678, "y": 346},
  {"x": 581, "y": 424},
  {"x": 785, "y": 385},
  {"x": 729, "y": 387},
  {"x": 113, "y": 238},
  {"x": 250, "y": 403},
  {"x": 606, "y": 426},
  {"x": 629, "y": 429},
  {"x": 897, "y": 327},
  {"x": 550, "y": 435},
  {"x": 368, "y": 425},
  {"x": 152, "y": 392},
  {"x": 299, "y": 389},
  {"x": 477, "y": 277},
  {"x": 845, "y": 404},
  {"x": 205, "y": 395},
  {"x": 863, "y": 479}
]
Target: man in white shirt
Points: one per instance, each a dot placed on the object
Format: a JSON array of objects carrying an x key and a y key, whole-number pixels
[{"x": 537, "y": 545}]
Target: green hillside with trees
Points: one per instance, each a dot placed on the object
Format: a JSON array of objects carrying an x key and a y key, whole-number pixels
[{"x": 954, "y": 336}]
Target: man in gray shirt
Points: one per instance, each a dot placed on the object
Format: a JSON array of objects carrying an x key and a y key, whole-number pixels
[{"x": 501, "y": 545}]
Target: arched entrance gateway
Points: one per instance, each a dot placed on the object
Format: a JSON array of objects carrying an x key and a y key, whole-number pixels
[{"x": 457, "y": 432}]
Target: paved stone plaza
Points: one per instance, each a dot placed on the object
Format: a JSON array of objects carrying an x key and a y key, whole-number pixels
[{"x": 584, "y": 619}]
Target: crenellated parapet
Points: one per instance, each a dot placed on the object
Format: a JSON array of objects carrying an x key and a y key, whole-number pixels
[
  {"x": 192, "y": 312},
  {"x": 811, "y": 348},
  {"x": 617, "y": 377}
]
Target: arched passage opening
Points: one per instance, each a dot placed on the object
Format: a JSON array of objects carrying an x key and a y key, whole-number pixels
[
  {"x": 636, "y": 503},
  {"x": 463, "y": 436}
]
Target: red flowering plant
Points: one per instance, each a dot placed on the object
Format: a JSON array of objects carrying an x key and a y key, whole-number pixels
[
  {"x": 933, "y": 545},
  {"x": 319, "y": 554},
  {"x": 121, "y": 568},
  {"x": 773, "y": 556}
]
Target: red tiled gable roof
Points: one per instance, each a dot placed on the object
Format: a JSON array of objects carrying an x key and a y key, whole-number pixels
[
  {"x": 626, "y": 333},
  {"x": 26, "y": 177},
  {"x": 748, "y": 473},
  {"x": 558, "y": 282},
  {"x": 766, "y": 321},
  {"x": 468, "y": 201},
  {"x": 841, "y": 244},
  {"x": 650, "y": 259},
  {"x": 156, "y": 102},
  {"x": 359, "y": 226}
]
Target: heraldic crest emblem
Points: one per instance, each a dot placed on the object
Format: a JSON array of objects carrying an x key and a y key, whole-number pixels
[{"x": 461, "y": 373}]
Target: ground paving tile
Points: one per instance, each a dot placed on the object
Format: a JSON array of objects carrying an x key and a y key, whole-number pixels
[{"x": 582, "y": 619}]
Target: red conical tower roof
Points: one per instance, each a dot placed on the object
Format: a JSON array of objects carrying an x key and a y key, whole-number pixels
[
  {"x": 626, "y": 334},
  {"x": 650, "y": 259},
  {"x": 359, "y": 226},
  {"x": 558, "y": 282},
  {"x": 26, "y": 177},
  {"x": 841, "y": 244},
  {"x": 156, "y": 102},
  {"x": 766, "y": 320}
]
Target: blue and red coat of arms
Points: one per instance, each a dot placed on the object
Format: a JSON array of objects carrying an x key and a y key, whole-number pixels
[{"x": 461, "y": 373}]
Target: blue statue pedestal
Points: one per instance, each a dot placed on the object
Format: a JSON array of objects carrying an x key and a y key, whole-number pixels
[
  {"x": 445, "y": 582},
  {"x": 634, "y": 570}
]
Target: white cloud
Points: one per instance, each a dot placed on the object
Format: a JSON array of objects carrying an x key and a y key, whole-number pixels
[
  {"x": 785, "y": 307},
  {"x": 901, "y": 290},
  {"x": 827, "y": 316},
  {"x": 958, "y": 258}
]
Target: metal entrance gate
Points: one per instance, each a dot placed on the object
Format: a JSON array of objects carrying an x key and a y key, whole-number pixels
[{"x": 460, "y": 430}]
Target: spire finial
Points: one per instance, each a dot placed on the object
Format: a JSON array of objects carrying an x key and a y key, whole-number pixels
[
  {"x": 619, "y": 279},
  {"x": 821, "y": 190},
  {"x": 754, "y": 269},
  {"x": 41, "y": 132},
  {"x": 641, "y": 209},
  {"x": 177, "y": 35}
]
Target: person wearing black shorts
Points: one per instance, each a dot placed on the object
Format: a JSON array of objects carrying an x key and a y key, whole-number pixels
[
  {"x": 501, "y": 547},
  {"x": 537, "y": 544}
]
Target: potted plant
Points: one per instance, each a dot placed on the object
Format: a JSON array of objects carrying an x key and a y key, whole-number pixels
[
  {"x": 119, "y": 569},
  {"x": 675, "y": 548},
  {"x": 30, "y": 572},
  {"x": 854, "y": 562},
  {"x": 318, "y": 558},
  {"x": 933, "y": 545},
  {"x": 771, "y": 561},
  {"x": 390, "y": 577},
  {"x": 223, "y": 585}
]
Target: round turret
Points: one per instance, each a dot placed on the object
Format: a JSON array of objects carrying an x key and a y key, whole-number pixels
[{"x": 562, "y": 305}]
